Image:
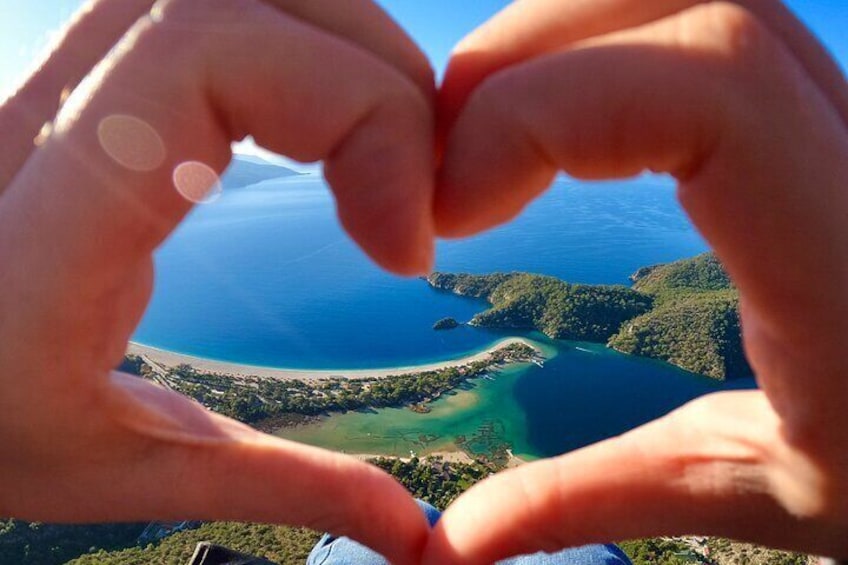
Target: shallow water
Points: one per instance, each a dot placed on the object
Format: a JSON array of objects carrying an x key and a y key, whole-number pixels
[{"x": 580, "y": 396}]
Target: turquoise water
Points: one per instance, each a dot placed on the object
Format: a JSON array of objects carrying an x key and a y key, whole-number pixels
[
  {"x": 584, "y": 394},
  {"x": 265, "y": 276}
]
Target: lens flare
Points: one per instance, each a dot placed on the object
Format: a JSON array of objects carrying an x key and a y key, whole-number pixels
[
  {"x": 197, "y": 182},
  {"x": 131, "y": 142}
]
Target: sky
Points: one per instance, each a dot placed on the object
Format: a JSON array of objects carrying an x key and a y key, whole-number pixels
[{"x": 27, "y": 26}]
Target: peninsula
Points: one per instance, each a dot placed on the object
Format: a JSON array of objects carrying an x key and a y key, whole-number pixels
[
  {"x": 684, "y": 313},
  {"x": 269, "y": 399}
]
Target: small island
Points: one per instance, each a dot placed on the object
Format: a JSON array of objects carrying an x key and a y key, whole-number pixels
[{"x": 446, "y": 324}]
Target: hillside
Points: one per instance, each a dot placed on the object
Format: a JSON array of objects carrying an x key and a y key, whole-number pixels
[
  {"x": 558, "y": 309},
  {"x": 47, "y": 544},
  {"x": 684, "y": 313},
  {"x": 698, "y": 333},
  {"x": 698, "y": 275},
  {"x": 695, "y": 323},
  {"x": 245, "y": 171}
]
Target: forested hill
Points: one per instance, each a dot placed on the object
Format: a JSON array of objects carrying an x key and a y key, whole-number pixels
[
  {"x": 700, "y": 274},
  {"x": 695, "y": 321},
  {"x": 685, "y": 313},
  {"x": 557, "y": 308}
]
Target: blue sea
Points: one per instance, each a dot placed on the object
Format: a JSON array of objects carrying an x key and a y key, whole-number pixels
[{"x": 266, "y": 276}]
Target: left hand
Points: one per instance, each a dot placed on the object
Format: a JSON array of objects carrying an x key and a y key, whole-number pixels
[
  {"x": 741, "y": 104},
  {"x": 82, "y": 210}
]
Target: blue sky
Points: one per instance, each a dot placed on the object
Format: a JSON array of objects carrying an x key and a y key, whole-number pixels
[{"x": 437, "y": 25}]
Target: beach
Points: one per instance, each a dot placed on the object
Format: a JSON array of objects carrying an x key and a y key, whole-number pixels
[
  {"x": 168, "y": 359},
  {"x": 457, "y": 456}
]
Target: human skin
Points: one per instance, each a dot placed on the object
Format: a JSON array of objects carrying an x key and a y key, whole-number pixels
[
  {"x": 739, "y": 103},
  {"x": 84, "y": 207},
  {"x": 746, "y": 110}
]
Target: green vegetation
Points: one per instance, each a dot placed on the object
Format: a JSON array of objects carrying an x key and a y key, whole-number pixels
[
  {"x": 685, "y": 313},
  {"x": 689, "y": 550},
  {"x": 558, "y": 309},
  {"x": 446, "y": 324},
  {"x": 695, "y": 324},
  {"x": 48, "y": 544},
  {"x": 433, "y": 480},
  {"x": 659, "y": 551},
  {"x": 699, "y": 333},
  {"x": 700, "y": 274},
  {"x": 280, "y": 544},
  {"x": 726, "y": 552},
  {"x": 270, "y": 403}
]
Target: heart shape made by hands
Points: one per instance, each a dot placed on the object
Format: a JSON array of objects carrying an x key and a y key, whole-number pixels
[{"x": 735, "y": 99}]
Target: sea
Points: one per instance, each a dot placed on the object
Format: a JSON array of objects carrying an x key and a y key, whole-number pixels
[{"x": 266, "y": 276}]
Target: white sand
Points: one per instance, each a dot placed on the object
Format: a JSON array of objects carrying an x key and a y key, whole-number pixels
[{"x": 170, "y": 359}]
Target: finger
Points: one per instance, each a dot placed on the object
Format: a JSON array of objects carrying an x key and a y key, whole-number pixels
[
  {"x": 86, "y": 40},
  {"x": 151, "y": 454},
  {"x": 715, "y": 467},
  {"x": 530, "y": 28},
  {"x": 139, "y": 131},
  {"x": 101, "y": 23},
  {"x": 695, "y": 95},
  {"x": 367, "y": 25}
]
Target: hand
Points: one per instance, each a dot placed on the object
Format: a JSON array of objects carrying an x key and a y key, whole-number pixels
[
  {"x": 80, "y": 214},
  {"x": 748, "y": 112}
]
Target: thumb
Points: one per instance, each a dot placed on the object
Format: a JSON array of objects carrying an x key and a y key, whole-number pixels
[
  {"x": 715, "y": 467},
  {"x": 152, "y": 454}
]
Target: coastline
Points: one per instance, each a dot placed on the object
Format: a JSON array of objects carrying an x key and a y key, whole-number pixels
[
  {"x": 170, "y": 359},
  {"x": 457, "y": 456}
]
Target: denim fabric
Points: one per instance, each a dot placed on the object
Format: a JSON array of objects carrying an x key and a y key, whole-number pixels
[{"x": 344, "y": 551}]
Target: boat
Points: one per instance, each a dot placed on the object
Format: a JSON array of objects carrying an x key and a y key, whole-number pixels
[{"x": 537, "y": 362}]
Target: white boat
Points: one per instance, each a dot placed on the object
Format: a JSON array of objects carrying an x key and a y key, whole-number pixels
[{"x": 537, "y": 362}]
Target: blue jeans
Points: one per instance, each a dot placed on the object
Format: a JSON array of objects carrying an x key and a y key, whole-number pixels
[{"x": 345, "y": 551}]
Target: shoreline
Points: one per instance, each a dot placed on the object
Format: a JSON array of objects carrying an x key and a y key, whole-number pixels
[
  {"x": 170, "y": 359},
  {"x": 451, "y": 456}
]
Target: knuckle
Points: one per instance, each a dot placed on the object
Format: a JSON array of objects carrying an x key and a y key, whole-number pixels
[
  {"x": 731, "y": 32},
  {"x": 488, "y": 97},
  {"x": 753, "y": 66},
  {"x": 492, "y": 104},
  {"x": 188, "y": 26},
  {"x": 401, "y": 99}
]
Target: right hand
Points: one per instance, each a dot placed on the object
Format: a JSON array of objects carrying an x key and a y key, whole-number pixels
[
  {"x": 82, "y": 212},
  {"x": 739, "y": 102}
]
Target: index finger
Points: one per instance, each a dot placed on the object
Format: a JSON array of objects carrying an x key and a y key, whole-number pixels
[
  {"x": 128, "y": 133},
  {"x": 100, "y": 24},
  {"x": 529, "y": 28}
]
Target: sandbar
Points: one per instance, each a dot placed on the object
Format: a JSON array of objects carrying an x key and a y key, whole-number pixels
[{"x": 168, "y": 359}]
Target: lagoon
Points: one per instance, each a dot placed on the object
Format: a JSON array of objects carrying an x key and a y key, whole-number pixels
[{"x": 265, "y": 276}]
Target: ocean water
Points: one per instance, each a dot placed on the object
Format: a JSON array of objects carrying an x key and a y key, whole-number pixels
[{"x": 265, "y": 276}]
